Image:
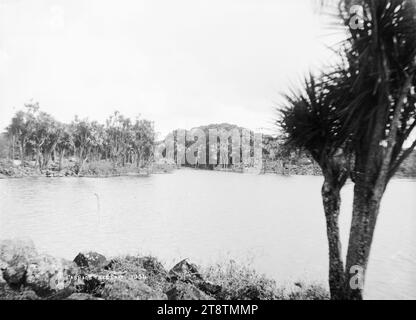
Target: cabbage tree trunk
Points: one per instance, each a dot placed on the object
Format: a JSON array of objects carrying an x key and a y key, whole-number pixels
[
  {"x": 332, "y": 203},
  {"x": 367, "y": 199},
  {"x": 61, "y": 159}
]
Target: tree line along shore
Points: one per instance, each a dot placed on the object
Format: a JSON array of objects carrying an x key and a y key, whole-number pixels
[{"x": 35, "y": 144}]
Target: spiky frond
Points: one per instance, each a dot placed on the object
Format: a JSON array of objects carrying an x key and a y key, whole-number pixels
[
  {"x": 380, "y": 56},
  {"x": 309, "y": 118}
]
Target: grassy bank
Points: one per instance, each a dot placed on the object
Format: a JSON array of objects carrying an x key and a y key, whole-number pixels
[{"x": 26, "y": 274}]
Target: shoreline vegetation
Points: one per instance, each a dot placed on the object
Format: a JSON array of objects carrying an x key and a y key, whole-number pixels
[
  {"x": 105, "y": 169},
  {"x": 95, "y": 169},
  {"x": 36, "y": 145},
  {"x": 26, "y": 274}
]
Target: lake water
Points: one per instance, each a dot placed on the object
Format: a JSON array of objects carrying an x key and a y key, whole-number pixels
[{"x": 275, "y": 223}]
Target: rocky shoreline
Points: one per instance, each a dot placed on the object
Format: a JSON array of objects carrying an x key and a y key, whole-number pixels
[{"x": 26, "y": 274}]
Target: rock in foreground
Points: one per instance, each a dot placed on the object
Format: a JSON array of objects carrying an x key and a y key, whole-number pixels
[{"x": 26, "y": 274}]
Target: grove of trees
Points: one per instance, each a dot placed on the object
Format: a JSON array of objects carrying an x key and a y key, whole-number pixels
[
  {"x": 223, "y": 154},
  {"x": 35, "y": 135}
]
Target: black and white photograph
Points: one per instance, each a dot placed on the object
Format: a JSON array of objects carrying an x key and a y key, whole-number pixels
[{"x": 227, "y": 150}]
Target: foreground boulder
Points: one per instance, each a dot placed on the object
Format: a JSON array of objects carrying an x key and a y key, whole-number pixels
[
  {"x": 186, "y": 291},
  {"x": 22, "y": 266},
  {"x": 126, "y": 278},
  {"x": 210, "y": 288},
  {"x": 91, "y": 260},
  {"x": 129, "y": 289},
  {"x": 7, "y": 293},
  {"x": 187, "y": 272},
  {"x": 15, "y": 274},
  {"x": 152, "y": 266},
  {"x": 147, "y": 269},
  {"x": 82, "y": 296},
  {"x": 15, "y": 256},
  {"x": 47, "y": 275},
  {"x": 2, "y": 267}
]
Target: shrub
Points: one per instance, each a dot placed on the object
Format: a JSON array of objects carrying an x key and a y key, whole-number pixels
[{"x": 241, "y": 282}]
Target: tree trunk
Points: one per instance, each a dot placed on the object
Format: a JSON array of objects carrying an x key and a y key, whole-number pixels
[
  {"x": 61, "y": 159},
  {"x": 13, "y": 146},
  {"x": 38, "y": 159},
  {"x": 366, "y": 207},
  {"x": 21, "y": 152},
  {"x": 46, "y": 157},
  {"x": 81, "y": 157},
  {"x": 332, "y": 202}
]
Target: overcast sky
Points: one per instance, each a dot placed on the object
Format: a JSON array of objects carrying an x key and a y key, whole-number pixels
[{"x": 180, "y": 63}]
